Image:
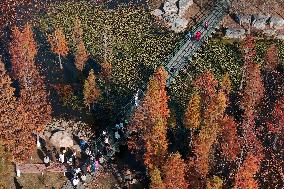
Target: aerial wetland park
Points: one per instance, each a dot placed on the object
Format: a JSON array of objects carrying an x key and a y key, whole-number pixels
[{"x": 141, "y": 94}]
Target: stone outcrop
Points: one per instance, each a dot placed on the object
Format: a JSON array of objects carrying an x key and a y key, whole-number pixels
[
  {"x": 276, "y": 22},
  {"x": 235, "y": 33},
  {"x": 259, "y": 21},
  {"x": 172, "y": 13}
]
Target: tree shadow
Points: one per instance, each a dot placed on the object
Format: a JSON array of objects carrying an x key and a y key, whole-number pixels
[{"x": 17, "y": 184}]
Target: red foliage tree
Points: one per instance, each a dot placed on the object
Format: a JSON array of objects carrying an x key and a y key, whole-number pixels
[
  {"x": 213, "y": 107},
  {"x": 271, "y": 57},
  {"x": 59, "y": 44},
  {"x": 174, "y": 172},
  {"x": 23, "y": 50},
  {"x": 207, "y": 84},
  {"x": 33, "y": 106},
  {"x": 245, "y": 176},
  {"x": 252, "y": 94},
  {"x": 8, "y": 106},
  {"x": 149, "y": 123},
  {"x": 228, "y": 138}
]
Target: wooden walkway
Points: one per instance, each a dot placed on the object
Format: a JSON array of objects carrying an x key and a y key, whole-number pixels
[
  {"x": 39, "y": 168},
  {"x": 187, "y": 47}
]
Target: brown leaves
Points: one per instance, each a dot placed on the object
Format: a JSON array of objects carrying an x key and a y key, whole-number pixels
[
  {"x": 192, "y": 116},
  {"x": 174, "y": 172},
  {"x": 58, "y": 43},
  {"x": 91, "y": 91},
  {"x": 271, "y": 57},
  {"x": 149, "y": 122},
  {"x": 229, "y": 141},
  {"x": 245, "y": 176}
]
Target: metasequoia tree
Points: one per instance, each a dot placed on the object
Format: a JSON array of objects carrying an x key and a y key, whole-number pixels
[
  {"x": 33, "y": 107},
  {"x": 207, "y": 84},
  {"x": 59, "y": 44},
  {"x": 271, "y": 57},
  {"x": 192, "y": 116},
  {"x": 213, "y": 107},
  {"x": 174, "y": 172},
  {"x": 156, "y": 180},
  {"x": 228, "y": 138},
  {"x": 91, "y": 91},
  {"x": 81, "y": 54},
  {"x": 149, "y": 121},
  {"x": 8, "y": 106},
  {"x": 226, "y": 84},
  {"x": 214, "y": 183},
  {"x": 23, "y": 50},
  {"x": 156, "y": 145},
  {"x": 253, "y": 92},
  {"x": 245, "y": 175}
]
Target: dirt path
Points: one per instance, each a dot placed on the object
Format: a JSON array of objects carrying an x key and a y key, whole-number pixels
[{"x": 40, "y": 168}]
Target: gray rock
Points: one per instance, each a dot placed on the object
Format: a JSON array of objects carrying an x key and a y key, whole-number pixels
[
  {"x": 183, "y": 6},
  {"x": 179, "y": 25},
  {"x": 259, "y": 21},
  {"x": 276, "y": 22},
  {"x": 243, "y": 18},
  {"x": 158, "y": 13},
  {"x": 170, "y": 7},
  {"x": 280, "y": 36},
  {"x": 235, "y": 33}
]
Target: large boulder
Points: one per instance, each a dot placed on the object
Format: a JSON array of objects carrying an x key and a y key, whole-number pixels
[
  {"x": 179, "y": 24},
  {"x": 276, "y": 22},
  {"x": 235, "y": 33},
  {"x": 170, "y": 7},
  {"x": 183, "y": 6},
  {"x": 158, "y": 13},
  {"x": 242, "y": 18},
  {"x": 280, "y": 36},
  {"x": 260, "y": 21},
  {"x": 61, "y": 139}
]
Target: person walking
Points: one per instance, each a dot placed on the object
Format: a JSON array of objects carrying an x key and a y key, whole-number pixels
[
  {"x": 206, "y": 25},
  {"x": 198, "y": 36},
  {"x": 46, "y": 161}
]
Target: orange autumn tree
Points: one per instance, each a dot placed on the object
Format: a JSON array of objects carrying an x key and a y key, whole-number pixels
[
  {"x": 156, "y": 180},
  {"x": 59, "y": 44},
  {"x": 8, "y": 107},
  {"x": 149, "y": 122},
  {"x": 81, "y": 54},
  {"x": 228, "y": 138},
  {"x": 245, "y": 175},
  {"x": 174, "y": 172},
  {"x": 192, "y": 116},
  {"x": 213, "y": 107},
  {"x": 33, "y": 107},
  {"x": 23, "y": 50},
  {"x": 253, "y": 92},
  {"x": 271, "y": 57},
  {"x": 91, "y": 91}
]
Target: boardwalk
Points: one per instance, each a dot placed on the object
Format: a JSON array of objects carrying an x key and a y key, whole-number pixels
[
  {"x": 188, "y": 47},
  {"x": 39, "y": 168},
  {"x": 185, "y": 50}
]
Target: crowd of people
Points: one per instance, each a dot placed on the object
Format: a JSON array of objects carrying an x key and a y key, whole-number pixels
[{"x": 93, "y": 154}]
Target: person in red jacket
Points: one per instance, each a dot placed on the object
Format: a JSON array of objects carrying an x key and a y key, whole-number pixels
[{"x": 198, "y": 36}]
